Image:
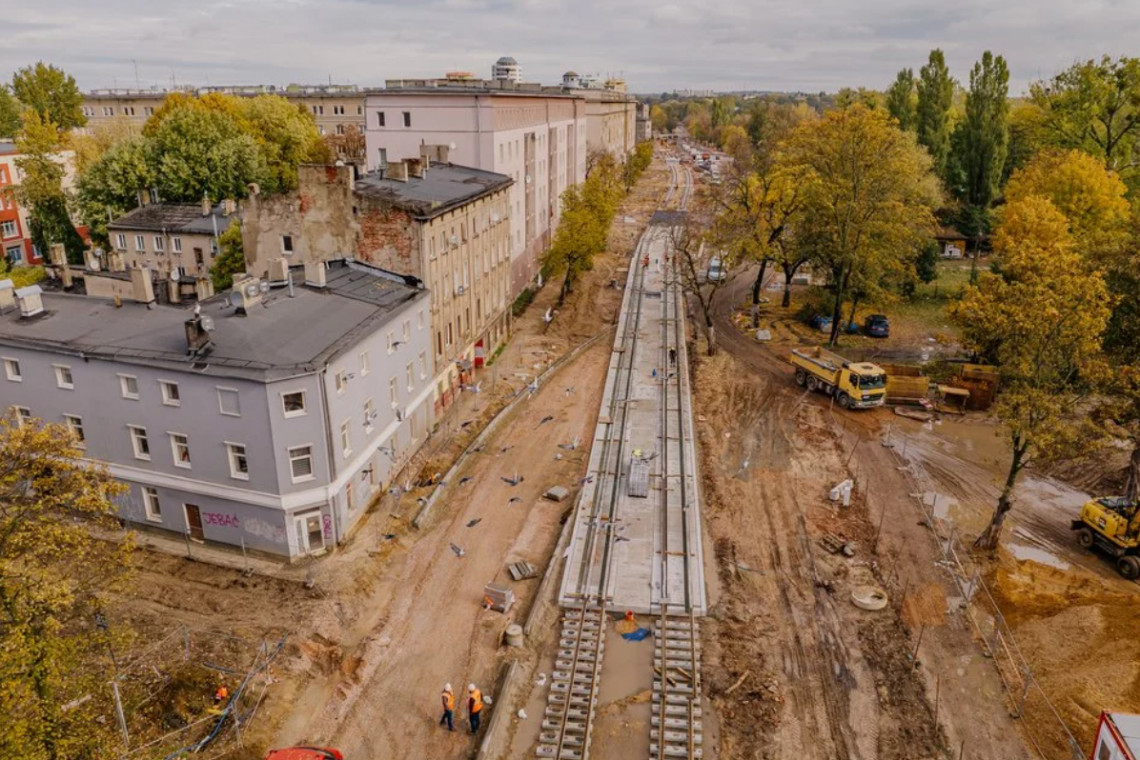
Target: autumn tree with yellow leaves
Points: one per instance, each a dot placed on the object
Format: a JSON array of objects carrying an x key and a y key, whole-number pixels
[
  {"x": 1040, "y": 319},
  {"x": 54, "y": 578}
]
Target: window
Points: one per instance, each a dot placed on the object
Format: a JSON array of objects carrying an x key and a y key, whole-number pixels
[
  {"x": 410, "y": 375},
  {"x": 391, "y": 341},
  {"x": 338, "y": 110},
  {"x": 139, "y": 442},
  {"x": 423, "y": 364},
  {"x": 129, "y": 386},
  {"x": 228, "y": 402},
  {"x": 159, "y": 243},
  {"x": 151, "y": 506},
  {"x": 363, "y": 362},
  {"x": 75, "y": 425},
  {"x": 63, "y": 377},
  {"x": 287, "y": 245},
  {"x": 341, "y": 381},
  {"x": 379, "y": 118},
  {"x": 177, "y": 243},
  {"x": 148, "y": 110},
  {"x": 348, "y": 496},
  {"x": 12, "y": 370},
  {"x": 301, "y": 463},
  {"x": 393, "y": 392},
  {"x": 420, "y": 324},
  {"x": 121, "y": 241},
  {"x": 345, "y": 439},
  {"x": 407, "y": 118},
  {"x": 383, "y": 155},
  {"x": 407, "y": 330},
  {"x": 239, "y": 465},
  {"x": 22, "y": 415},
  {"x": 8, "y": 229},
  {"x": 140, "y": 242},
  {"x": 340, "y": 129},
  {"x": 170, "y": 395},
  {"x": 294, "y": 403},
  {"x": 369, "y": 415},
  {"x": 180, "y": 447}
]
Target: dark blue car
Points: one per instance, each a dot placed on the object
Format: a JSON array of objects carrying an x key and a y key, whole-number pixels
[{"x": 877, "y": 326}]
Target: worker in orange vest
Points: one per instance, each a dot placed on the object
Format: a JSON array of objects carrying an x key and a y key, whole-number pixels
[
  {"x": 221, "y": 695},
  {"x": 448, "y": 699},
  {"x": 474, "y": 707}
]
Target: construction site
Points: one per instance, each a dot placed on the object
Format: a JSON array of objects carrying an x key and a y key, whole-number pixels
[{"x": 637, "y": 549}]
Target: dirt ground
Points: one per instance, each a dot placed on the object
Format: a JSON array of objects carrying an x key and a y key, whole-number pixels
[{"x": 376, "y": 628}]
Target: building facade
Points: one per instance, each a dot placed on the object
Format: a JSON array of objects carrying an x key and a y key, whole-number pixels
[
  {"x": 268, "y": 426},
  {"x": 446, "y": 225},
  {"x": 334, "y": 107},
  {"x": 507, "y": 69},
  {"x": 536, "y": 138},
  {"x": 15, "y": 234}
]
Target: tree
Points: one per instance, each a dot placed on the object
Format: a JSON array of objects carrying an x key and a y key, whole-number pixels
[
  {"x": 902, "y": 100},
  {"x": 1040, "y": 322},
  {"x": 658, "y": 119},
  {"x": 580, "y": 235},
  {"x": 286, "y": 136},
  {"x": 54, "y": 577},
  {"x": 848, "y": 97},
  {"x": 89, "y": 147},
  {"x": 109, "y": 187},
  {"x": 51, "y": 93},
  {"x": 690, "y": 261},
  {"x": 350, "y": 146},
  {"x": 1094, "y": 106},
  {"x": 867, "y": 197},
  {"x": 41, "y": 187},
  {"x": 935, "y": 96},
  {"x": 1026, "y": 136},
  {"x": 230, "y": 259},
  {"x": 603, "y": 189},
  {"x": 1091, "y": 198},
  {"x": 198, "y": 152},
  {"x": 9, "y": 113}
]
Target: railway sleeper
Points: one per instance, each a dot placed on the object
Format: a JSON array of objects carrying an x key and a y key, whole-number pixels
[
  {"x": 549, "y": 751},
  {"x": 575, "y": 713},
  {"x": 571, "y": 726},
  {"x": 673, "y": 751},
  {"x": 570, "y": 654},
  {"x": 676, "y": 737},
  {"x": 566, "y": 665},
  {"x": 551, "y": 737},
  {"x": 683, "y": 688},
  {"x": 681, "y": 700},
  {"x": 676, "y": 724}
]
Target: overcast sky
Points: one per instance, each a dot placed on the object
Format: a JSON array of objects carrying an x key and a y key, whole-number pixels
[{"x": 657, "y": 45}]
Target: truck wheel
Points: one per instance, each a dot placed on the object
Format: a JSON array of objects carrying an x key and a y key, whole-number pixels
[
  {"x": 812, "y": 384},
  {"x": 801, "y": 378},
  {"x": 844, "y": 401},
  {"x": 1085, "y": 538},
  {"x": 1129, "y": 567}
]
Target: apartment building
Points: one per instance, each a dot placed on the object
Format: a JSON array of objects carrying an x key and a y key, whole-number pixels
[
  {"x": 535, "y": 137},
  {"x": 334, "y": 107},
  {"x": 15, "y": 234},
  {"x": 177, "y": 242},
  {"x": 265, "y": 418},
  {"x": 443, "y": 224}
]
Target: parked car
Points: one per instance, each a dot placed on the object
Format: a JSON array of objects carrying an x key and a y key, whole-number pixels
[
  {"x": 820, "y": 322},
  {"x": 877, "y": 326},
  {"x": 716, "y": 271}
]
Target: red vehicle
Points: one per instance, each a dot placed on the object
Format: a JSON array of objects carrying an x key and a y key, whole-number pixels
[{"x": 304, "y": 753}]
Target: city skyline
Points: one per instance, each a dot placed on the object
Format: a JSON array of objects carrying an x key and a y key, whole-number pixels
[{"x": 656, "y": 47}]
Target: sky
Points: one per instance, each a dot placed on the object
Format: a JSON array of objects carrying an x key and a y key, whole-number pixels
[{"x": 657, "y": 45}]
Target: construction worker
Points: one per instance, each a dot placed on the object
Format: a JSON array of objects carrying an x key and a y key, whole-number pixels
[
  {"x": 448, "y": 699},
  {"x": 474, "y": 707},
  {"x": 221, "y": 695}
]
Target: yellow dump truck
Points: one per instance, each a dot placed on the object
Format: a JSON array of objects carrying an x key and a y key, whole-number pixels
[
  {"x": 855, "y": 385},
  {"x": 1112, "y": 524}
]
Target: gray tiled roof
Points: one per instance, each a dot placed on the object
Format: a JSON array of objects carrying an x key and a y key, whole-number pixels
[
  {"x": 174, "y": 217},
  {"x": 442, "y": 188}
]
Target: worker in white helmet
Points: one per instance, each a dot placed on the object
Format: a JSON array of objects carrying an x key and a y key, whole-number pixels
[
  {"x": 448, "y": 700},
  {"x": 474, "y": 707}
]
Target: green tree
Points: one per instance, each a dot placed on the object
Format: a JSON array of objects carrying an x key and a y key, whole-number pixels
[
  {"x": 199, "y": 152},
  {"x": 658, "y": 119},
  {"x": 9, "y": 113},
  {"x": 902, "y": 100},
  {"x": 230, "y": 259},
  {"x": 55, "y": 575},
  {"x": 867, "y": 197},
  {"x": 41, "y": 187},
  {"x": 286, "y": 136},
  {"x": 109, "y": 187},
  {"x": 872, "y": 99},
  {"x": 580, "y": 235},
  {"x": 1094, "y": 106},
  {"x": 1040, "y": 321},
  {"x": 51, "y": 93},
  {"x": 935, "y": 96}
]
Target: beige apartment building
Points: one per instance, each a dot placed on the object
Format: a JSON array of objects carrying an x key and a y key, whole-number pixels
[
  {"x": 534, "y": 136},
  {"x": 334, "y": 107},
  {"x": 445, "y": 225}
]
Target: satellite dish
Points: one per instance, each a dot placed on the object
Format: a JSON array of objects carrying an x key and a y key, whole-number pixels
[
  {"x": 264, "y": 287},
  {"x": 252, "y": 289},
  {"x": 174, "y": 276},
  {"x": 236, "y": 300},
  {"x": 207, "y": 323}
]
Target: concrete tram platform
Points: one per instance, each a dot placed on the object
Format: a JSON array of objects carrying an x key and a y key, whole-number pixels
[{"x": 645, "y": 550}]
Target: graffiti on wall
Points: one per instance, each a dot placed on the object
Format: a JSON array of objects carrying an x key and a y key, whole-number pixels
[
  {"x": 222, "y": 519},
  {"x": 326, "y": 520}
]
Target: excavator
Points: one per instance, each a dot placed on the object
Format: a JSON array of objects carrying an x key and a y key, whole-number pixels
[{"x": 1112, "y": 524}]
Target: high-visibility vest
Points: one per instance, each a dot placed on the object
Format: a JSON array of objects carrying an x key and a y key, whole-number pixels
[
  {"x": 476, "y": 703},
  {"x": 448, "y": 700}
]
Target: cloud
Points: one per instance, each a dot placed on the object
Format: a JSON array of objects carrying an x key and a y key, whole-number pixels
[{"x": 656, "y": 44}]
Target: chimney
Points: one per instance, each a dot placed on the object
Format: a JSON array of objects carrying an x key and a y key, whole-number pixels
[
  {"x": 197, "y": 333},
  {"x": 315, "y": 274},
  {"x": 30, "y": 300},
  {"x": 142, "y": 288},
  {"x": 206, "y": 206},
  {"x": 398, "y": 170},
  {"x": 416, "y": 167},
  {"x": 7, "y": 294},
  {"x": 278, "y": 271},
  {"x": 229, "y": 206},
  {"x": 144, "y": 198}
]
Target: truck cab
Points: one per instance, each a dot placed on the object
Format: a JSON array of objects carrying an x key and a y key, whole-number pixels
[{"x": 855, "y": 385}]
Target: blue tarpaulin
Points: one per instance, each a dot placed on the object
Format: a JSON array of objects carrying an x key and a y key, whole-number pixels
[{"x": 637, "y": 635}]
